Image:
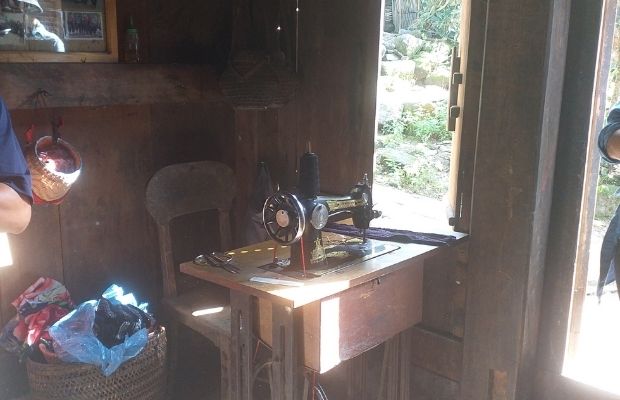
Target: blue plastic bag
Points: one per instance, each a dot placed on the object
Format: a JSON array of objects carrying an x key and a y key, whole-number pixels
[{"x": 75, "y": 340}]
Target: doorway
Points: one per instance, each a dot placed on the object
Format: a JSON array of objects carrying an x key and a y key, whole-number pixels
[{"x": 591, "y": 357}]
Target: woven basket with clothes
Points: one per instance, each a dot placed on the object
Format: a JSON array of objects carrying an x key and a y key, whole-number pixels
[{"x": 141, "y": 378}]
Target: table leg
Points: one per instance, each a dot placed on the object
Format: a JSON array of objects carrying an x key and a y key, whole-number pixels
[
  {"x": 286, "y": 366},
  {"x": 357, "y": 369},
  {"x": 241, "y": 345}
]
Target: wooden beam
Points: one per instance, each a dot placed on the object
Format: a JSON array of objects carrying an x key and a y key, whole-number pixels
[
  {"x": 522, "y": 76},
  {"x": 81, "y": 85}
]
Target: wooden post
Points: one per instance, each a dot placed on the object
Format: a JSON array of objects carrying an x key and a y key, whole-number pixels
[
  {"x": 286, "y": 370},
  {"x": 241, "y": 338},
  {"x": 522, "y": 76}
]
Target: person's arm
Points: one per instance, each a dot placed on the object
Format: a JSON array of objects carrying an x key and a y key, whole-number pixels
[
  {"x": 15, "y": 180},
  {"x": 14, "y": 211}
]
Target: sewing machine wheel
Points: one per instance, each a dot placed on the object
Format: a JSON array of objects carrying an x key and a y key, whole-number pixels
[{"x": 284, "y": 218}]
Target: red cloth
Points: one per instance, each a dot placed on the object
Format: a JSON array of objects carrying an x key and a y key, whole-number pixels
[
  {"x": 34, "y": 327},
  {"x": 43, "y": 292},
  {"x": 38, "y": 307}
]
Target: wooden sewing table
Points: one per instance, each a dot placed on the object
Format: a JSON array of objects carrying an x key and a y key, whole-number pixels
[{"x": 330, "y": 319}]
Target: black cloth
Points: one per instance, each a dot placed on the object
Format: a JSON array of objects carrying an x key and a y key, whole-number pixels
[
  {"x": 392, "y": 235},
  {"x": 13, "y": 168},
  {"x": 609, "y": 254}
]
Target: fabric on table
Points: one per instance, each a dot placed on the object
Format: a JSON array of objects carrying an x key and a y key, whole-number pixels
[{"x": 393, "y": 235}]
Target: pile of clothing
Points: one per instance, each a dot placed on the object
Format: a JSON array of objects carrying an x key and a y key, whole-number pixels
[
  {"x": 38, "y": 307},
  {"x": 49, "y": 328}
]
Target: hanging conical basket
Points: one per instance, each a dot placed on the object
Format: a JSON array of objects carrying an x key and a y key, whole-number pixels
[{"x": 254, "y": 80}]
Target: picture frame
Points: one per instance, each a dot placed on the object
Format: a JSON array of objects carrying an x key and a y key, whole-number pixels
[{"x": 74, "y": 31}]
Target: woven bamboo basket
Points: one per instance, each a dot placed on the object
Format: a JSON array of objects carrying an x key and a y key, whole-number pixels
[
  {"x": 141, "y": 378},
  {"x": 49, "y": 185},
  {"x": 255, "y": 81}
]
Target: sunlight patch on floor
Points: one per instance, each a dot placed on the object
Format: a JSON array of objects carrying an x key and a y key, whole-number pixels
[{"x": 596, "y": 361}]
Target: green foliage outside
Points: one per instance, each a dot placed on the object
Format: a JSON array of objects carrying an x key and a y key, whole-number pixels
[
  {"x": 413, "y": 146},
  {"x": 419, "y": 123},
  {"x": 420, "y": 179},
  {"x": 438, "y": 20}
]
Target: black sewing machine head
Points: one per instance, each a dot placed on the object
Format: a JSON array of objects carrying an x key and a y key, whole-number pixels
[{"x": 296, "y": 219}]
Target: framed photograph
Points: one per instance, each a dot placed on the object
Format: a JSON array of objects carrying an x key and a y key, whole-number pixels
[
  {"x": 58, "y": 31},
  {"x": 83, "y": 25}
]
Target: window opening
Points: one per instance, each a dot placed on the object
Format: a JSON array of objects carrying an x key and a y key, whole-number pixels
[
  {"x": 412, "y": 143},
  {"x": 595, "y": 321}
]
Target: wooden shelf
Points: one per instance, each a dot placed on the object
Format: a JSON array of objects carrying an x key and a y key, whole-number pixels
[{"x": 94, "y": 85}]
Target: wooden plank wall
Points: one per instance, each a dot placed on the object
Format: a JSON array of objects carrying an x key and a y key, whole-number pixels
[{"x": 102, "y": 233}]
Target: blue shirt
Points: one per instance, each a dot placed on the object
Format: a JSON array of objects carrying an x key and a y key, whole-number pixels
[
  {"x": 613, "y": 124},
  {"x": 13, "y": 168}
]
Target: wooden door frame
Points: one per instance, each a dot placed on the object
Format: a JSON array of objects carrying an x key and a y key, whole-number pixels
[
  {"x": 588, "y": 59},
  {"x": 472, "y": 39}
]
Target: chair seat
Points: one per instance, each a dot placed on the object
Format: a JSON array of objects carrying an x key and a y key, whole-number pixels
[{"x": 199, "y": 310}]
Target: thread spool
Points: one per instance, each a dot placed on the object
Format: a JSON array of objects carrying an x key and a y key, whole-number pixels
[{"x": 309, "y": 185}]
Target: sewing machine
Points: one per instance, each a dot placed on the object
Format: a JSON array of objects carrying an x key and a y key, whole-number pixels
[{"x": 296, "y": 220}]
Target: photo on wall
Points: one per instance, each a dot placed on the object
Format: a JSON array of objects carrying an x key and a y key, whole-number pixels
[
  {"x": 84, "y": 25},
  {"x": 36, "y": 30}
]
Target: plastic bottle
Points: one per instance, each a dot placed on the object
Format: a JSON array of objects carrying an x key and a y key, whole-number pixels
[{"x": 132, "y": 44}]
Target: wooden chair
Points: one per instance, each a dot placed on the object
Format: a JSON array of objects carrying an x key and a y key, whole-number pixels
[{"x": 179, "y": 190}]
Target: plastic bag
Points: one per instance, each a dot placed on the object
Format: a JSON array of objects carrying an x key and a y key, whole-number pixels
[{"x": 75, "y": 340}]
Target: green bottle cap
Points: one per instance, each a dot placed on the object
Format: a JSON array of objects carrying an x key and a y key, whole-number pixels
[{"x": 132, "y": 28}]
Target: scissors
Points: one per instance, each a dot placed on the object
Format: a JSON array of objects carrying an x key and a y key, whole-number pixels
[{"x": 218, "y": 260}]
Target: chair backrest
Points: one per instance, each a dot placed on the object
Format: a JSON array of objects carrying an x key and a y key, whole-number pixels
[{"x": 187, "y": 188}]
